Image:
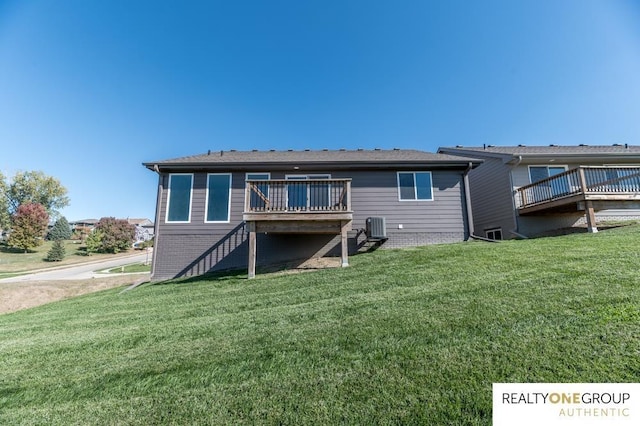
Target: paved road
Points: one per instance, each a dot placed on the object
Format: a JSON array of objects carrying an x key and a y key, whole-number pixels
[{"x": 79, "y": 272}]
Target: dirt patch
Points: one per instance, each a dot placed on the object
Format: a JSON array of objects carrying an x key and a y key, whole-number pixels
[{"x": 23, "y": 295}]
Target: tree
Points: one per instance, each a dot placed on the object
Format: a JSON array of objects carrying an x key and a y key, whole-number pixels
[
  {"x": 60, "y": 230},
  {"x": 35, "y": 187},
  {"x": 57, "y": 252},
  {"x": 28, "y": 226},
  {"x": 118, "y": 234},
  {"x": 94, "y": 242},
  {"x": 5, "y": 217}
]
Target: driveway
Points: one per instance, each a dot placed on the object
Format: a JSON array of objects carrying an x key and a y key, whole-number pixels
[{"x": 79, "y": 272}]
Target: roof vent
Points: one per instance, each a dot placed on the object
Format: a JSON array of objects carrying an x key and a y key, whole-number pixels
[
  {"x": 233, "y": 150},
  {"x": 490, "y": 146},
  {"x": 552, "y": 144},
  {"x": 459, "y": 146},
  {"x": 342, "y": 149},
  {"x": 272, "y": 150},
  {"x": 626, "y": 146},
  {"x": 307, "y": 149},
  {"x": 325, "y": 149},
  {"x": 289, "y": 150},
  {"x": 583, "y": 144},
  {"x": 360, "y": 149},
  {"x": 254, "y": 150},
  {"x": 396, "y": 149},
  {"x": 617, "y": 144},
  {"x": 521, "y": 145},
  {"x": 376, "y": 149},
  {"x": 209, "y": 152}
]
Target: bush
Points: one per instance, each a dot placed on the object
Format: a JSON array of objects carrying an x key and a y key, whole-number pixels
[{"x": 56, "y": 253}]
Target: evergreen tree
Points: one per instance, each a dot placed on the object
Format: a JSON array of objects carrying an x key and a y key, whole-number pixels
[
  {"x": 57, "y": 252},
  {"x": 60, "y": 230}
]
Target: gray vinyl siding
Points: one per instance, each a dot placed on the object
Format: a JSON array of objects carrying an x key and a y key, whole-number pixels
[
  {"x": 492, "y": 198},
  {"x": 184, "y": 249}
]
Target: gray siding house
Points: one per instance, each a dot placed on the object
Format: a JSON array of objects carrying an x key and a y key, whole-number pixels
[
  {"x": 238, "y": 209},
  {"x": 530, "y": 190}
]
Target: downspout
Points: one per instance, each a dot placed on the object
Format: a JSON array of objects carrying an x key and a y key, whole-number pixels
[
  {"x": 515, "y": 231},
  {"x": 467, "y": 196},
  {"x": 157, "y": 222}
]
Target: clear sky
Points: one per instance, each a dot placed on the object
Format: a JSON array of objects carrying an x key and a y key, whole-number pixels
[{"x": 91, "y": 89}]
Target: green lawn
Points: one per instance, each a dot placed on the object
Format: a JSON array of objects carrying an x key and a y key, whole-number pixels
[
  {"x": 412, "y": 336},
  {"x": 134, "y": 267},
  {"x": 13, "y": 261}
]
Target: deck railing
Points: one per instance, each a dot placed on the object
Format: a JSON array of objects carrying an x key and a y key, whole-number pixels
[
  {"x": 298, "y": 196},
  {"x": 581, "y": 180}
]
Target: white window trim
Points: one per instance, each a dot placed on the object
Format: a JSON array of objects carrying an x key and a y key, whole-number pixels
[
  {"x": 566, "y": 167},
  {"x": 415, "y": 187},
  {"x": 206, "y": 199},
  {"x": 486, "y": 233},
  {"x": 166, "y": 217}
]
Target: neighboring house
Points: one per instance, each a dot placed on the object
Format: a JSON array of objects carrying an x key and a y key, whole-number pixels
[
  {"x": 84, "y": 223},
  {"x": 233, "y": 209},
  {"x": 144, "y": 229},
  {"x": 530, "y": 190}
]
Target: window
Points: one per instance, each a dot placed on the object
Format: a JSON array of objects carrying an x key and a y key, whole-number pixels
[
  {"x": 537, "y": 173},
  {"x": 179, "y": 197},
  {"x": 559, "y": 186},
  {"x": 494, "y": 234},
  {"x": 415, "y": 186},
  {"x": 218, "y": 198},
  {"x": 256, "y": 200},
  {"x": 315, "y": 195}
]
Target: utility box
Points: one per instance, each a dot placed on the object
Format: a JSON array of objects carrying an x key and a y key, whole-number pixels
[{"x": 376, "y": 228}]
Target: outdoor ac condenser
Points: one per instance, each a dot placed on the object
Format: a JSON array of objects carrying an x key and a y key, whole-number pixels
[{"x": 376, "y": 228}]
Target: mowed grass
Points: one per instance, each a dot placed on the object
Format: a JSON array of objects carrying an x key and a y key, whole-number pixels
[
  {"x": 412, "y": 336},
  {"x": 14, "y": 261}
]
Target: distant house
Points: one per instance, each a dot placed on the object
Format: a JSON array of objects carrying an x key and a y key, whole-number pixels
[
  {"x": 232, "y": 209},
  {"x": 144, "y": 228},
  {"x": 88, "y": 224},
  {"x": 530, "y": 190}
]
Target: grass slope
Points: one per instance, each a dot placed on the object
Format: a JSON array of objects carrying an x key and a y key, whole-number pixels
[{"x": 411, "y": 336}]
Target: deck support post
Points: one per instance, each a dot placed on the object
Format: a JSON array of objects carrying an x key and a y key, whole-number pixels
[
  {"x": 343, "y": 243},
  {"x": 252, "y": 249},
  {"x": 591, "y": 217}
]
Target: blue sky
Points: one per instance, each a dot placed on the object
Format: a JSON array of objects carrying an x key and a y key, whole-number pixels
[{"x": 91, "y": 89}]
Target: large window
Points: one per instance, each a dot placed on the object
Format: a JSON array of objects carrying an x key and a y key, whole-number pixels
[
  {"x": 179, "y": 197},
  {"x": 218, "y": 198},
  {"x": 415, "y": 186},
  {"x": 537, "y": 173}
]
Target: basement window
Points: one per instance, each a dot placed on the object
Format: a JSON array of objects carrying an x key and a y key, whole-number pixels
[{"x": 494, "y": 234}]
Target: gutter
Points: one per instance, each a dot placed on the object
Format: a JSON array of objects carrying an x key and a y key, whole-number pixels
[{"x": 516, "y": 221}]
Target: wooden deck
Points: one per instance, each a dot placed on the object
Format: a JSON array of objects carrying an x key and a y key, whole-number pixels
[
  {"x": 305, "y": 206},
  {"x": 593, "y": 186}
]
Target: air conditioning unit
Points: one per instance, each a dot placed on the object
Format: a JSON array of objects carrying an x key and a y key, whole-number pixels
[{"x": 376, "y": 228}]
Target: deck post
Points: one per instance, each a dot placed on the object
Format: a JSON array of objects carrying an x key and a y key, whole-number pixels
[
  {"x": 252, "y": 249},
  {"x": 343, "y": 243},
  {"x": 591, "y": 217}
]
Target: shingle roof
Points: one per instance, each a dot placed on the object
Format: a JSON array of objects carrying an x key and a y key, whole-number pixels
[
  {"x": 333, "y": 157},
  {"x": 551, "y": 149}
]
